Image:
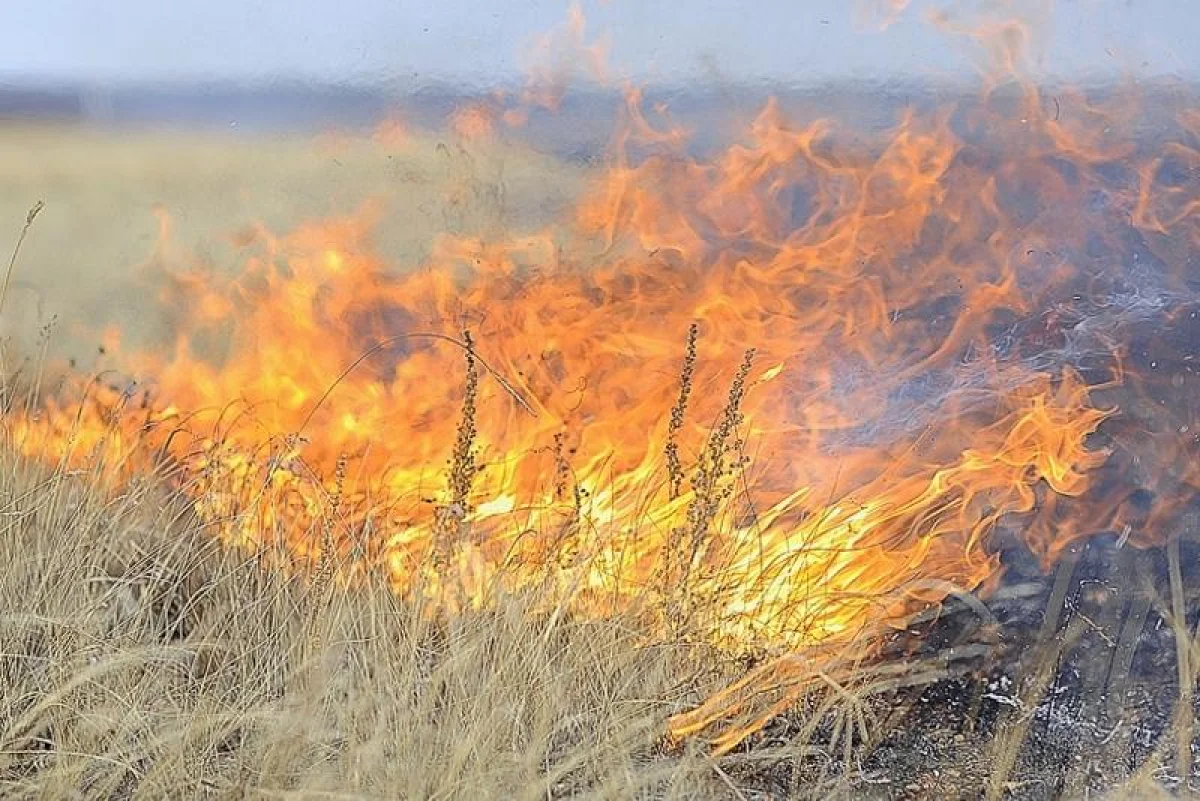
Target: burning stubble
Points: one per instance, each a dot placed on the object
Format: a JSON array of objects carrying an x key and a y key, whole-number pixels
[{"x": 924, "y": 340}]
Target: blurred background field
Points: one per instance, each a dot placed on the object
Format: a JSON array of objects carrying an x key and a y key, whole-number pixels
[{"x": 104, "y": 191}]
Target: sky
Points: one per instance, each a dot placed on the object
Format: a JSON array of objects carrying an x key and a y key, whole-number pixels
[{"x": 404, "y": 42}]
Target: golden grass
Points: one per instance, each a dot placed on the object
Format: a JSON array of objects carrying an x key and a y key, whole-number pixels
[{"x": 142, "y": 661}]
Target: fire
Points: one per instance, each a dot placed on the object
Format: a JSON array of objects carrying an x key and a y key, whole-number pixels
[
  {"x": 475, "y": 121},
  {"x": 778, "y": 398},
  {"x": 392, "y": 133}
]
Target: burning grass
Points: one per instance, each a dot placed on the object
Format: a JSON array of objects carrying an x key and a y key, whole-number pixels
[
  {"x": 143, "y": 659},
  {"x": 781, "y": 401}
]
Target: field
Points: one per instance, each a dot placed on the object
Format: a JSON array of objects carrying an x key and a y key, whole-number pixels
[
  {"x": 140, "y": 659},
  {"x": 104, "y": 190}
]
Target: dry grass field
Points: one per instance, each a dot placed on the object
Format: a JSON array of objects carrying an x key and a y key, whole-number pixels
[
  {"x": 104, "y": 191},
  {"x": 140, "y": 659}
]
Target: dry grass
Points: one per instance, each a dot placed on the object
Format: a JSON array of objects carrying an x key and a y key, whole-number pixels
[{"x": 141, "y": 661}]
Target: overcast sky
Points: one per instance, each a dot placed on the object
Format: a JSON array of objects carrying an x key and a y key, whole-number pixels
[{"x": 402, "y": 41}]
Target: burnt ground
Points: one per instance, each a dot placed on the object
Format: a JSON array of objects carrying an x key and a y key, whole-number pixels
[
  {"x": 1059, "y": 685},
  {"x": 1076, "y": 671}
]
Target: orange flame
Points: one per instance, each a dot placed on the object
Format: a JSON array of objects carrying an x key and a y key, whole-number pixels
[
  {"x": 392, "y": 133},
  {"x": 474, "y": 121}
]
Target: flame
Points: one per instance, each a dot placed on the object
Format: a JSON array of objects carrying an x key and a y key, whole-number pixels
[
  {"x": 392, "y": 133},
  {"x": 556, "y": 56},
  {"x": 778, "y": 398},
  {"x": 474, "y": 121},
  {"x": 880, "y": 14}
]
